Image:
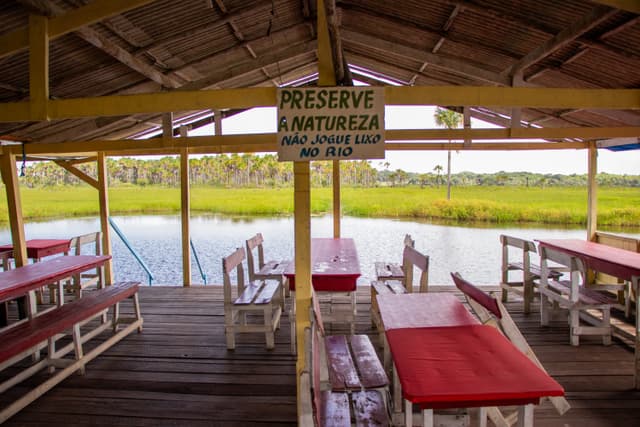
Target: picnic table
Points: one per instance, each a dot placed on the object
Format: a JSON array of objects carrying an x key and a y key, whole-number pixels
[
  {"x": 444, "y": 358},
  {"x": 613, "y": 261}
]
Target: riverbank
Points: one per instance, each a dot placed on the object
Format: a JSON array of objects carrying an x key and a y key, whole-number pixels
[{"x": 618, "y": 207}]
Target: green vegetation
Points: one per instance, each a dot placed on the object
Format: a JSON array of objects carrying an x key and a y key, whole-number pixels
[{"x": 498, "y": 204}]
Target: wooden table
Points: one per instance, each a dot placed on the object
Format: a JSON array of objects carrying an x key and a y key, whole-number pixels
[
  {"x": 334, "y": 265},
  {"x": 36, "y": 250},
  {"x": 334, "y": 268},
  {"x": 466, "y": 366},
  {"x": 613, "y": 261},
  {"x": 40, "y": 248},
  {"x": 25, "y": 280},
  {"x": 418, "y": 310}
]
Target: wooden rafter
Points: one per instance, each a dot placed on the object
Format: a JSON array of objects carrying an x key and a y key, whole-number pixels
[
  {"x": 566, "y": 36},
  {"x": 452, "y": 65},
  {"x": 628, "y": 5},
  {"x": 96, "y": 39},
  {"x": 17, "y": 40}
]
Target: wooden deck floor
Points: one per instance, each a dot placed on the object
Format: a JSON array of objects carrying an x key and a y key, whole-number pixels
[{"x": 179, "y": 373}]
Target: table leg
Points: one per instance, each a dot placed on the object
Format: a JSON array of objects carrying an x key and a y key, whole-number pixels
[
  {"x": 635, "y": 285},
  {"x": 427, "y": 418},
  {"x": 397, "y": 391},
  {"x": 408, "y": 414},
  {"x": 482, "y": 416},
  {"x": 4, "y": 314},
  {"x": 525, "y": 416}
]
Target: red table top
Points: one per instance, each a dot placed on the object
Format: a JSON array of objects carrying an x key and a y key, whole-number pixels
[
  {"x": 603, "y": 258},
  {"x": 335, "y": 265},
  {"x": 465, "y": 366},
  {"x": 21, "y": 280},
  {"x": 419, "y": 310},
  {"x": 39, "y": 248}
]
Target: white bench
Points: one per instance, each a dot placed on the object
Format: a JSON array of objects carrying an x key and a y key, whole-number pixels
[
  {"x": 261, "y": 297},
  {"x": 572, "y": 295},
  {"x": 411, "y": 259},
  {"x": 530, "y": 272}
]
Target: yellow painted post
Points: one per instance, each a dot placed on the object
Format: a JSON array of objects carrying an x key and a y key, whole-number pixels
[
  {"x": 302, "y": 221},
  {"x": 185, "y": 205},
  {"x": 38, "y": 67},
  {"x": 592, "y": 193},
  {"x": 337, "y": 209},
  {"x": 103, "y": 200},
  {"x": 14, "y": 207}
]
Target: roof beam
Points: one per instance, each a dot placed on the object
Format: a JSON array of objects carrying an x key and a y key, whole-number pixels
[
  {"x": 448, "y": 64},
  {"x": 73, "y": 20},
  {"x": 564, "y": 37},
  {"x": 628, "y": 5},
  {"x": 256, "y": 97},
  {"x": 96, "y": 39}
]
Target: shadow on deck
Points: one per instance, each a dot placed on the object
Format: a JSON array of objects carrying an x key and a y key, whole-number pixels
[{"x": 179, "y": 373}]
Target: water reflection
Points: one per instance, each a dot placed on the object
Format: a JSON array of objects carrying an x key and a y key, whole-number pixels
[{"x": 474, "y": 251}]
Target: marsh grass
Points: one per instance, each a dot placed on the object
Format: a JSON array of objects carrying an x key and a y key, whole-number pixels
[{"x": 553, "y": 205}]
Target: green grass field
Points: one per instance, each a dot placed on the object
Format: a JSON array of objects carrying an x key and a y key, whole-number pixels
[{"x": 555, "y": 205}]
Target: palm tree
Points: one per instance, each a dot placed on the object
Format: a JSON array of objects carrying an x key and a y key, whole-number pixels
[
  {"x": 438, "y": 169},
  {"x": 451, "y": 120}
]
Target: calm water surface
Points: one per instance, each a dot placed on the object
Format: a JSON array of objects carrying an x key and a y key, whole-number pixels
[{"x": 472, "y": 251}]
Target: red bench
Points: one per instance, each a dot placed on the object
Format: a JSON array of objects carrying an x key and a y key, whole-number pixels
[
  {"x": 28, "y": 337},
  {"x": 343, "y": 378}
]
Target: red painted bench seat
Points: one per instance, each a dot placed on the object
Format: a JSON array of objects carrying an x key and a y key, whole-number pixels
[
  {"x": 24, "y": 340},
  {"x": 26, "y": 335}
]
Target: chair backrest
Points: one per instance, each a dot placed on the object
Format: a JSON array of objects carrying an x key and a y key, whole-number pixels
[
  {"x": 5, "y": 262},
  {"x": 251, "y": 244},
  {"x": 78, "y": 242},
  {"x": 408, "y": 241},
  {"x": 412, "y": 258},
  {"x": 574, "y": 265},
  {"x": 490, "y": 311},
  {"x": 525, "y": 246},
  {"x": 473, "y": 293},
  {"x": 229, "y": 263}
]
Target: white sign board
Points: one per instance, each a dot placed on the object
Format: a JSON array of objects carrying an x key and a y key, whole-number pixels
[{"x": 330, "y": 123}]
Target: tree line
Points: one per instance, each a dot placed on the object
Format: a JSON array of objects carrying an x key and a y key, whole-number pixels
[{"x": 250, "y": 170}]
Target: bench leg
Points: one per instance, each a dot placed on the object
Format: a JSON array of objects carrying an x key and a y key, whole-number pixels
[
  {"x": 77, "y": 346},
  {"x": 268, "y": 327},
  {"x": 136, "y": 309},
  {"x": 292, "y": 320},
  {"x": 574, "y": 323},
  {"x": 606, "y": 323},
  {"x": 115, "y": 317},
  {"x": 408, "y": 413}
]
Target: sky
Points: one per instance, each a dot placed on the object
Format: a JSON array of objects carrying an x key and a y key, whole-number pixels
[{"x": 564, "y": 162}]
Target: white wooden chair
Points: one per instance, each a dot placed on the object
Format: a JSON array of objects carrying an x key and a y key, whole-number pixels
[
  {"x": 90, "y": 243},
  {"x": 411, "y": 259},
  {"x": 269, "y": 270},
  {"x": 574, "y": 296},
  {"x": 490, "y": 311},
  {"x": 521, "y": 262},
  {"x": 387, "y": 270},
  {"x": 261, "y": 297}
]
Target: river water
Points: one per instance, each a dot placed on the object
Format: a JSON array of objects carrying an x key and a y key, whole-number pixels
[{"x": 474, "y": 251}]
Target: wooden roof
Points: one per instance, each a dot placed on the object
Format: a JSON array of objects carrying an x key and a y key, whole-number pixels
[{"x": 167, "y": 45}]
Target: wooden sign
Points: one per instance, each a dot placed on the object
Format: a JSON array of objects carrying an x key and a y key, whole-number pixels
[{"x": 330, "y": 123}]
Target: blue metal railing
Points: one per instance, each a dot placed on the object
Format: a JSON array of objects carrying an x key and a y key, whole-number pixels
[
  {"x": 195, "y": 255},
  {"x": 133, "y": 251}
]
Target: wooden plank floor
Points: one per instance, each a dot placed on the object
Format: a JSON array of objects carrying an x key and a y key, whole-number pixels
[{"x": 177, "y": 372}]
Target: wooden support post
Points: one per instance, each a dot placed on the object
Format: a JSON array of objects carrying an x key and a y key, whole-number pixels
[
  {"x": 466, "y": 122},
  {"x": 14, "y": 207},
  {"x": 185, "y": 204},
  {"x": 38, "y": 67},
  {"x": 302, "y": 220},
  {"x": 103, "y": 201},
  {"x": 336, "y": 199},
  {"x": 592, "y": 193}
]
